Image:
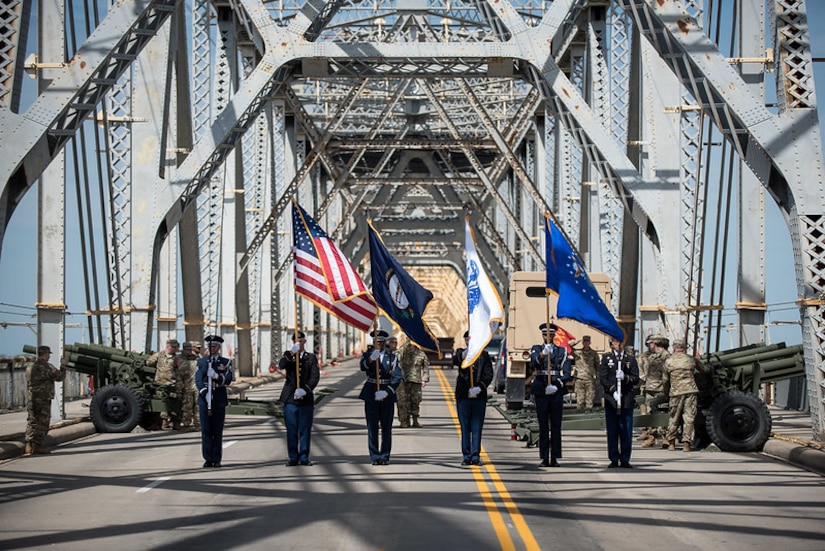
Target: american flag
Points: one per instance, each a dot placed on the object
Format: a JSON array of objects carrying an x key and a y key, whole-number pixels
[{"x": 325, "y": 277}]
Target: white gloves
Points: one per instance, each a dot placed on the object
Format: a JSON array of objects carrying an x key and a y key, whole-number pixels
[
  {"x": 551, "y": 389},
  {"x": 380, "y": 395},
  {"x": 375, "y": 355},
  {"x": 211, "y": 373},
  {"x": 474, "y": 392},
  {"x": 546, "y": 349},
  {"x": 299, "y": 393},
  {"x": 617, "y": 397},
  {"x": 295, "y": 348},
  {"x": 620, "y": 375}
]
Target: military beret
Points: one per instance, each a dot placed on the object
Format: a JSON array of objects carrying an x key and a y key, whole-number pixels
[
  {"x": 214, "y": 340},
  {"x": 301, "y": 335},
  {"x": 548, "y": 327},
  {"x": 172, "y": 342},
  {"x": 679, "y": 343},
  {"x": 379, "y": 335}
]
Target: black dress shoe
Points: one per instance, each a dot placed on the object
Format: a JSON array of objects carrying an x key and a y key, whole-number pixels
[
  {"x": 385, "y": 461},
  {"x": 613, "y": 465},
  {"x": 306, "y": 463},
  {"x": 544, "y": 463},
  {"x": 291, "y": 463},
  {"x": 207, "y": 464},
  {"x": 376, "y": 462},
  {"x": 216, "y": 464},
  {"x": 477, "y": 462},
  {"x": 626, "y": 465},
  {"x": 554, "y": 463},
  {"x": 466, "y": 462}
]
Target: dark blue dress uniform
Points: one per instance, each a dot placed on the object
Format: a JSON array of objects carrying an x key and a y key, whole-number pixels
[
  {"x": 471, "y": 411},
  {"x": 212, "y": 420},
  {"x": 299, "y": 413},
  {"x": 618, "y": 416},
  {"x": 379, "y": 413},
  {"x": 553, "y": 369}
]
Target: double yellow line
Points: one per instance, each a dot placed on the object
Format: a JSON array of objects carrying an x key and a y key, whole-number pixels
[{"x": 491, "y": 497}]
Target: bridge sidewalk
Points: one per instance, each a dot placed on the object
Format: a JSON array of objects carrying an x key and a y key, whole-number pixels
[{"x": 791, "y": 440}]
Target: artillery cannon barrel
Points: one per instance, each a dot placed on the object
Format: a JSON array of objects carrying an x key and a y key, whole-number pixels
[
  {"x": 770, "y": 367},
  {"x": 762, "y": 358},
  {"x": 108, "y": 353},
  {"x": 743, "y": 355}
]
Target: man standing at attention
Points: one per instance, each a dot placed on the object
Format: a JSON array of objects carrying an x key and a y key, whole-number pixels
[
  {"x": 379, "y": 394},
  {"x": 619, "y": 375},
  {"x": 298, "y": 399},
  {"x": 551, "y": 366},
  {"x": 165, "y": 364},
  {"x": 214, "y": 374},
  {"x": 586, "y": 372},
  {"x": 40, "y": 378},
  {"x": 415, "y": 368},
  {"x": 471, "y": 400}
]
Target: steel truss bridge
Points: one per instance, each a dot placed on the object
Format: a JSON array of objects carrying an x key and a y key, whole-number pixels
[{"x": 182, "y": 130}]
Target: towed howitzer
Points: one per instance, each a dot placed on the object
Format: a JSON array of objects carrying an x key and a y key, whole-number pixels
[
  {"x": 730, "y": 412},
  {"x": 126, "y": 394}
]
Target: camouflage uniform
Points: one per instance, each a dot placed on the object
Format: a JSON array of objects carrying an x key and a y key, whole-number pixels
[
  {"x": 586, "y": 371},
  {"x": 40, "y": 377},
  {"x": 678, "y": 381},
  {"x": 416, "y": 370},
  {"x": 186, "y": 388},
  {"x": 654, "y": 388},
  {"x": 166, "y": 373}
]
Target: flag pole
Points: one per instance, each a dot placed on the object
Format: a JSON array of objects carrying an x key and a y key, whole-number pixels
[
  {"x": 467, "y": 226},
  {"x": 377, "y": 360},
  {"x": 547, "y": 327},
  {"x": 295, "y": 335}
]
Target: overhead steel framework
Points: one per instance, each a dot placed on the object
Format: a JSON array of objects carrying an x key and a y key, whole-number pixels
[{"x": 182, "y": 130}]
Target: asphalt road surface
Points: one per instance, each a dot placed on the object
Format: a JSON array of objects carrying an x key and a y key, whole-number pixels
[{"x": 148, "y": 491}]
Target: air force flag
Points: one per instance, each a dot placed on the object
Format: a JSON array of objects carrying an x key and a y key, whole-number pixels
[
  {"x": 401, "y": 297},
  {"x": 483, "y": 302}
]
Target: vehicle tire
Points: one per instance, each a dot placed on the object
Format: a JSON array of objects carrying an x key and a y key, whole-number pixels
[
  {"x": 739, "y": 422},
  {"x": 115, "y": 408}
]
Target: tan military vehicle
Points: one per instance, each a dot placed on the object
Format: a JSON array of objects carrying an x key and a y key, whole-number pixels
[{"x": 529, "y": 309}]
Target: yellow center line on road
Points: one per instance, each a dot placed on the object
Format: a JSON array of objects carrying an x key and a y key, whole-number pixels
[{"x": 487, "y": 496}]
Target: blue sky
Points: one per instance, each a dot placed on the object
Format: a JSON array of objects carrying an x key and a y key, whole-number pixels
[{"x": 18, "y": 261}]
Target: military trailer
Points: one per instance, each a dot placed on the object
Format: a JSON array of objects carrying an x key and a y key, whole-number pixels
[{"x": 528, "y": 309}]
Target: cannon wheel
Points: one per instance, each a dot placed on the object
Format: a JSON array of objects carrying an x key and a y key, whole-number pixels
[
  {"x": 115, "y": 408},
  {"x": 739, "y": 422}
]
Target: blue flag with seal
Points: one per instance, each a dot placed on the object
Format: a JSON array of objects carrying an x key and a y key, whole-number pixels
[
  {"x": 578, "y": 298},
  {"x": 401, "y": 297}
]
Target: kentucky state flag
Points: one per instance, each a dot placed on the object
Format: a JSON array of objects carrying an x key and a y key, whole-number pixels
[
  {"x": 578, "y": 298},
  {"x": 401, "y": 297}
]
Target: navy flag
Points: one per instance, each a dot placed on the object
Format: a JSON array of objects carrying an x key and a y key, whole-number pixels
[
  {"x": 578, "y": 298},
  {"x": 401, "y": 297}
]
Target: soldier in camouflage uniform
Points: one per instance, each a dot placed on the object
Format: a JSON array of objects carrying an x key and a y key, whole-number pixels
[
  {"x": 416, "y": 369},
  {"x": 185, "y": 387},
  {"x": 586, "y": 372},
  {"x": 40, "y": 377},
  {"x": 680, "y": 384},
  {"x": 166, "y": 373},
  {"x": 654, "y": 383}
]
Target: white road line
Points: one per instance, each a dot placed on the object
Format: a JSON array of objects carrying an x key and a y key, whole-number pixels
[
  {"x": 227, "y": 444},
  {"x": 153, "y": 484}
]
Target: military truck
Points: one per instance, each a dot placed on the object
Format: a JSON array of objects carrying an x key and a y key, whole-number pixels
[{"x": 529, "y": 309}]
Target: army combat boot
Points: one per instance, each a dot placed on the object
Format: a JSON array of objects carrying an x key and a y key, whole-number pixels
[
  {"x": 415, "y": 422},
  {"x": 671, "y": 445},
  {"x": 650, "y": 442},
  {"x": 686, "y": 447},
  {"x": 38, "y": 449},
  {"x": 29, "y": 448},
  {"x": 644, "y": 436},
  {"x": 405, "y": 423}
]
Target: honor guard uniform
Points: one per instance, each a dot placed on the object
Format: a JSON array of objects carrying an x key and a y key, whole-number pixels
[
  {"x": 619, "y": 376},
  {"x": 471, "y": 400},
  {"x": 214, "y": 374},
  {"x": 298, "y": 399},
  {"x": 552, "y": 371},
  {"x": 379, "y": 394}
]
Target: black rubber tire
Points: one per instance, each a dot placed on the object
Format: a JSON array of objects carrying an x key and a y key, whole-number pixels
[
  {"x": 739, "y": 422},
  {"x": 115, "y": 408}
]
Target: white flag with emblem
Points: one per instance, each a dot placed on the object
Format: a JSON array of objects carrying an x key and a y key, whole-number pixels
[{"x": 483, "y": 301}]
